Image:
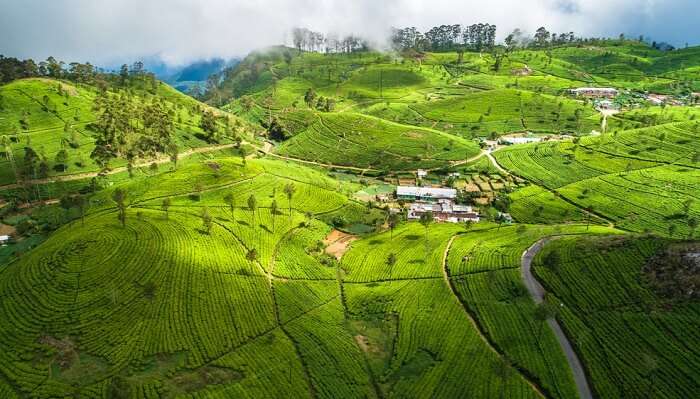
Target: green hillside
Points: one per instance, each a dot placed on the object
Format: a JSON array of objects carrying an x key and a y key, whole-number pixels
[
  {"x": 51, "y": 117},
  {"x": 268, "y": 255},
  {"x": 633, "y": 341},
  {"x": 366, "y": 142}
]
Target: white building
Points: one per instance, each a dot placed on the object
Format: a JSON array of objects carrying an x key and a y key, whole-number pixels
[
  {"x": 520, "y": 140},
  {"x": 413, "y": 193},
  {"x": 444, "y": 211},
  {"x": 5, "y": 239},
  {"x": 421, "y": 173}
]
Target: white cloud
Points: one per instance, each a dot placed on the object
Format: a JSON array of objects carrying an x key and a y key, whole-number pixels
[{"x": 178, "y": 31}]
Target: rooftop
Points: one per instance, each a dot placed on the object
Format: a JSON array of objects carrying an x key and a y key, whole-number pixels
[{"x": 426, "y": 192}]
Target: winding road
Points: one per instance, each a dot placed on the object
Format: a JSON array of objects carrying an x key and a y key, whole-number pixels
[{"x": 537, "y": 292}]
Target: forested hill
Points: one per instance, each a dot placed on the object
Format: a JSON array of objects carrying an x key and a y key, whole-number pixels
[{"x": 58, "y": 121}]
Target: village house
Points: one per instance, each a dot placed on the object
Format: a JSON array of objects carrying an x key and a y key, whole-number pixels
[
  {"x": 595, "y": 92},
  {"x": 443, "y": 211},
  {"x": 5, "y": 239},
  {"x": 606, "y": 105},
  {"x": 429, "y": 194},
  {"x": 439, "y": 201}
]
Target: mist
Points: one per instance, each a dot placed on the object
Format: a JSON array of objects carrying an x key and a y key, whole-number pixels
[{"x": 109, "y": 32}]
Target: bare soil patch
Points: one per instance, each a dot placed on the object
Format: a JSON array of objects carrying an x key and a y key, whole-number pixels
[
  {"x": 7, "y": 230},
  {"x": 337, "y": 243}
]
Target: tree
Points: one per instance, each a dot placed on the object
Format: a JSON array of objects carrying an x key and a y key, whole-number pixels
[
  {"x": 206, "y": 220},
  {"x": 230, "y": 200},
  {"x": 273, "y": 211},
  {"x": 468, "y": 225},
  {"x": 289, "y": 190},
  {"x": 124, "y": 74},
  {"x": 252, "y": 205},
  {"x": 62, "y": 159},
  {"x": 393, "y": 222},
  {"x": 119, "y": 197},
  {"x": 589, "y": 214},
  {"x": 426, "y": 219},
  {"x": 310, "y": 97},
  {"x": 208, "y": 125},
  {"x": 165, "y": 205},
  {"x": 542, "y": 36},
  {"x": 391, "y": 261},
  {"x": 252, "y": 255}
]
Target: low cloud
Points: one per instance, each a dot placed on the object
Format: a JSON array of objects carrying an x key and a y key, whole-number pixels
[{"x": 107, "y": 32}]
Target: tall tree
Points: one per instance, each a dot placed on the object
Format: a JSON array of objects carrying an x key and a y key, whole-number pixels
[
  {"x": 391, "y": 261},
  {"x": 273, "y": 212},
  {"x": 252, "y": 205},
  {"x": 119, "y": 197},
  {"x": 230, "y": 200},
  {"x": 206, "y": 220},
  {"x": 289, "y": 190},
  {"x": 208, "y": 125},
  {"x": 252, "y": 255},
  {"x": 165, "y": 206},
  {"x": 393, "y": 221},
  {"x": 542, "y": 36}
]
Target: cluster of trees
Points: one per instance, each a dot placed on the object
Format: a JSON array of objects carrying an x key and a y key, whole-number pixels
[
  {"x": 308, "y": 40},
  {"x": 132, "y": 132},
  {"x": 481, "y": 36},
  {"x": 320, "y": 103},
  {"x": 12, "y": 68}
]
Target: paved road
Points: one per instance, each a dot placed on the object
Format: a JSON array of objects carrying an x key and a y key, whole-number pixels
[{"x": 537, "y": 292}]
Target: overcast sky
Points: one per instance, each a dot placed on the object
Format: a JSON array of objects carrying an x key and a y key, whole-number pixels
[{"x": 107, "y": 32}]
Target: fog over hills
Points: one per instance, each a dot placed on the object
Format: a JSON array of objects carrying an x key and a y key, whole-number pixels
[{"x": 182, "y": 31}]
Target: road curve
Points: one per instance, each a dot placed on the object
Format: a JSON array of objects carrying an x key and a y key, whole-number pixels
[{"x": 537, "y": 293}]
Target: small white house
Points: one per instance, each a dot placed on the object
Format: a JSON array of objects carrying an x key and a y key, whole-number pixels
[
  {"x": 5, "y": 239},
  {"x": 421, "y": 173}
]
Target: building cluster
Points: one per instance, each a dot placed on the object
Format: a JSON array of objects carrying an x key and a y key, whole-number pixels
[
  {"x": 439, "y": 201},
  {"x": 595, "y": 92}
]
